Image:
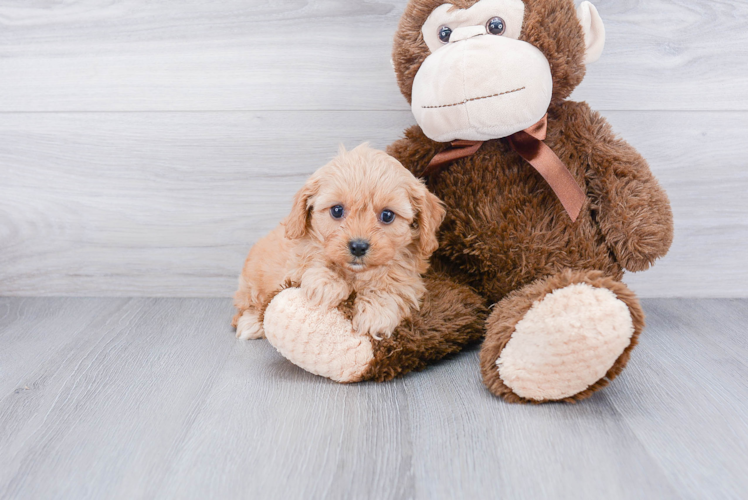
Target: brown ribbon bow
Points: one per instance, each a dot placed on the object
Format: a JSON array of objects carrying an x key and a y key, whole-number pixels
[{"x": 529, "y": 145}]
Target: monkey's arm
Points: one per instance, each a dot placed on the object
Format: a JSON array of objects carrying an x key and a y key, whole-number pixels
[{"x": 632, "y": 209}]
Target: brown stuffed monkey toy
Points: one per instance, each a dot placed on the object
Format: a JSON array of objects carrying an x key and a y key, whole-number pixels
[
  {"x": 546, "y": 207},
  {"x": 543, "y": 213}
]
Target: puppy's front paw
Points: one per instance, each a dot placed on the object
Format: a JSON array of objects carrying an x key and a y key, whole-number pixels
[
  {"x": 377, "y": 318},
  {"x": 323, "y": 288},
  {"x": 249, "y": 326}
]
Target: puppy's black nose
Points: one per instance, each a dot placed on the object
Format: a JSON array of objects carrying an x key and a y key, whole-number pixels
[{"x": 358, "y": 248}]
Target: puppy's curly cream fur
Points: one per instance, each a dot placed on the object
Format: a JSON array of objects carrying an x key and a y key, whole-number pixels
[{"x": 313, "y": 248}]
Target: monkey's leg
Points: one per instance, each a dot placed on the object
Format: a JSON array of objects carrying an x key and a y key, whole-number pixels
[
  {"x": 324, "y": 342},
  {"x": 560, "y": 338}
]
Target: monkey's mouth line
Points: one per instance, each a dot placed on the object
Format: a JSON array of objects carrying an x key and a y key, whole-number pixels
[{"x": 474, "y": 99}]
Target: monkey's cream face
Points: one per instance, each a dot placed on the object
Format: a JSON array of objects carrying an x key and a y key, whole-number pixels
[{"x": 480, "y": 81}]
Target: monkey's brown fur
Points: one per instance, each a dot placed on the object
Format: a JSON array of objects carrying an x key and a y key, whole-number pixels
[
  {"x": 505, "y": 228},
  {"x": 450, "y": 317}
]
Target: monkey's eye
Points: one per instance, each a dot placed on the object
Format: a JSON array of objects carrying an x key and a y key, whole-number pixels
[
  {"x": 387, "y": 216},
  {"x": 496, "y": 26},
  {"x": 444, "y": 33},
  {"x": 337, "y": 212}
]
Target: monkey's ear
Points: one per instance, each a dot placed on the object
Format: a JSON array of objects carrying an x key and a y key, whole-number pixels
[
  {"x": 296, "y": 222},
  {"x": 594, "y": 31}
]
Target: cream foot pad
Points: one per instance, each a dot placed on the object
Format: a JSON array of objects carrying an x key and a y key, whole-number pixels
[
  {"x": 320, "y": 342},
  {"x": 566, "y": 342}
]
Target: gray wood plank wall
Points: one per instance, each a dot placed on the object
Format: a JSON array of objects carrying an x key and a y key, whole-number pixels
[{"x": 145, "y": 146}]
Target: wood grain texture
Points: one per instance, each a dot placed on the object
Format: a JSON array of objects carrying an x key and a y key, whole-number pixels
[
  {"x": 112, "y": 402},
  {"x": 168, "y": 204},
  {"x": 155, "y": 398},
  {"x": 693, "y": 355},
  {"x": 154, "y": 204},
  {"x": 32, "y": 334},
  {"x": 233, "y": 55}
]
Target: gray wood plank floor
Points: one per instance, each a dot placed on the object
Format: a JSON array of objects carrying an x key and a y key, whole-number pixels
[{"x": 146, "y": 398}]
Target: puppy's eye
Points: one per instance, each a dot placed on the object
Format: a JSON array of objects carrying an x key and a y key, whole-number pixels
[
  {"x": 496, "y": 26},
  {"x": 387, "y": 216},
  {"x": 337, "y": 212},
  {"x": 444, "y": 33}
]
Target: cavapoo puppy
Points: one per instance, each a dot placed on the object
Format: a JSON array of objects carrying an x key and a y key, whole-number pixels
[{"x": 362, "y": 225}]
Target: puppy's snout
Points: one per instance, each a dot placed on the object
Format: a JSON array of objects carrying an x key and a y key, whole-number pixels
[{"x": 358, "y": 248}]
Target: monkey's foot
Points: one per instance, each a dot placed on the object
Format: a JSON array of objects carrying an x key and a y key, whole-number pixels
[
  {"x": 561, "y": 338},
  {"x": 321, "y": 341}
]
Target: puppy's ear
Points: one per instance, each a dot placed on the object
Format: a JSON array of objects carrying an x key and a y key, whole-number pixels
[
  {"x": 429, "y": 216},
  {"x": 297, "y": 221}
]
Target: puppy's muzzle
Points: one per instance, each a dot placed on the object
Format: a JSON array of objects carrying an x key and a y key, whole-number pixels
[{"x": 358, "y": 247}]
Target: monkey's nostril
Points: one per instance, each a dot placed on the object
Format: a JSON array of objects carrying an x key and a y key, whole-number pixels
[{"x": 358, "y": 248}]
